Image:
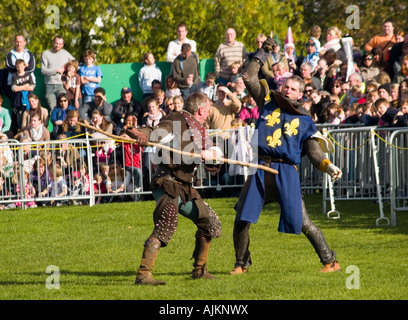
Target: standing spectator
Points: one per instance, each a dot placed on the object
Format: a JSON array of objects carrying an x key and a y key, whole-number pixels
[
  {"x": 22, "y": 83},
  {"x": 148, "y": 73},
  {"x": 315, "y": 33},
  {"x": 401, "y": 118},
  {"x": 396, "y": 54},
  {"x": 35, "y": 108},
  {"x": 71, "y": 81},
  {"x": 385, "y": 41},
  {"x": 99, "y": 103},
  {"x": 403, "y": 73},
  {"x": 333, "y": 38},
  {"x": 19, "y": 52},
  {"x": 59, "y": 113},
  {"x": 126, "y": 105},
  {"x": 53, "y": 62},
  {"x": 320, "y": 78},
  {"x": 91, "y": 76},
  {"x": 156, "y": 87},
  {"x": 5, "y": 121},
  {"x": 228, "y": 52},
  {"x": 174, "y": 47},
  {"x": 186, "y": 70},
  {"x": 305, "y": 71},
  {"x": 368, "y": 68}
]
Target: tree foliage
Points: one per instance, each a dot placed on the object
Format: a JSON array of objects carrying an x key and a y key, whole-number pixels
[{"x": 123, "y": 30}]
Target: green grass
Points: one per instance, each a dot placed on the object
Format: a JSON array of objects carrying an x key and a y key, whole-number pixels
[{"x": 98, "y": 250}]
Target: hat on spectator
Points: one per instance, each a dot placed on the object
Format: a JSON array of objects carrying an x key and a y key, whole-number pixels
[
  {"x": 310, "y": 42},
  {"x": 126, "y": 90},
  {"x": 386, "y": 87}
]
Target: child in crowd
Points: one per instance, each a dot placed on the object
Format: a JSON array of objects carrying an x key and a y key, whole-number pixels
[
  {"x": 153, "y": 117},
  {"x": 99, "y": 187},
  {"x": 178, "y": 103},
  {"x": 116, "y": 182},
  {"x": 282, "y": 73},
  {"x": 91, "y": 76},
  {"x": 148, "y": 73},
  {"x": 71, "y": 81},
  {"x": 289, "y": 49},
  {"x": 331, "y": 114},
  {"x": 312, "y": 54},
  {"x": 315, "y": 33},
  {"x": 160, "y": 96},
  {"x": 171, "y": 86},
  {"x": 401, "y": 118},
  {"x": 236, "y": 67},
  {"x": 57, "y": 188},
  {"x": 249, "y": 113},
  {"x": 29, "y": 190},
  {"x": 22, "y": 83}
]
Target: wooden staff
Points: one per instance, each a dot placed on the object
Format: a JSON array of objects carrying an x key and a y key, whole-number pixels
[{"x": 189, "y": 154}]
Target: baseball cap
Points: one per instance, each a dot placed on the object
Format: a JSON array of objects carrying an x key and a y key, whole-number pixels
[{"x": 126, "y": 89}]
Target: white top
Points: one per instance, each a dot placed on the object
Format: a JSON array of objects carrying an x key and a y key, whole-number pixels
[{"x": 174, "y": 48}]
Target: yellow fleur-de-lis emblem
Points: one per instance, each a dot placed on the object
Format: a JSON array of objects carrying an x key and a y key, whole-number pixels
[
  {"x": 291, "y": 128},
  {"x": 274, "y": 140},
  {"x": 273, "y": 118}
]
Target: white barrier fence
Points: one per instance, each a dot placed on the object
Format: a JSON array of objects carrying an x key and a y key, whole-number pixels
[{"x": 93, "y": 170}]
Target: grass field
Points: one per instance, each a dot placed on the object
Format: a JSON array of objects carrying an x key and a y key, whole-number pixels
[{"x": 98, "y": 249}]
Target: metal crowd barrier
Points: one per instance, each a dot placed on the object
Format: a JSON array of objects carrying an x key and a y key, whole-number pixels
[{"x": 373, "y": 161}]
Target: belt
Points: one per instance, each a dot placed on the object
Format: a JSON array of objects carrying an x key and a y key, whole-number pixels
[{"x": 270, "y": 159}]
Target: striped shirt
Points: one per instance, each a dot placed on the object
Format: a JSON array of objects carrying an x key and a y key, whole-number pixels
[{"x": 225, "y": 56}]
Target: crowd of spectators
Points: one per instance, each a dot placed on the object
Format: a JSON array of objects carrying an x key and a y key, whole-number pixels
[{"x": 368, "y": 87}]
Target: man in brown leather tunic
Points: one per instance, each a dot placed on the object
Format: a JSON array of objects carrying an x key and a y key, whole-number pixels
[{"x": 172, "y": 185}]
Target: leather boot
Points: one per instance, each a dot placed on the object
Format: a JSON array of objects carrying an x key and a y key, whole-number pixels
[
  {"x": 144, "y": 275},
  {"x": 200, "y": 255}
]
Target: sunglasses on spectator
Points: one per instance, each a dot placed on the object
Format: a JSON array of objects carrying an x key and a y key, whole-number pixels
[{"x": 368, "y": 58}]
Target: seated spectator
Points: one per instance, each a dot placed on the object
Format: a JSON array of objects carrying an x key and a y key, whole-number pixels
[
  {"x": 99, "y": 103},
  {"x": 5, "y": 120},
  {"x": 99, "y": 121},
  {"x": 249, "y": 113},
  {"x": 156, "y": 86},
  {"x": 70, "y": 127},
  {"x": 368, "y": 69},
  {"x": 282, "y": 74},
  {"x": 171, "y": 87},
  {"x": 403, "y": 73},
  {"x": 401, "y": 118},
  {"x": 153, "y": 117},
  {"x": 57, "y": 188},
  {"x": 385, "y": 112},
  {"x": 331, "y": 114},
  {"x": 40, "y": 176},
  {"x": 168, "y": 105},
  {"x": 91, "y": 77},
  {"x": 35, "y": 109},
  {"x": 59, "y": 113},
  {"x": 126, "y": 105},
  {"x": 148, "y": 73},
  {"x": 35, "y": 130},
  {"x": 178, "y": 103},
  {"x": 71, "y": 81},
  {"x": 208, "y": 87}
]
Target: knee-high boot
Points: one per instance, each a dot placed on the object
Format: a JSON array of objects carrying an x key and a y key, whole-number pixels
[
  {"x": 144, "y": 275},
  {"x": 200, "y": 255}
]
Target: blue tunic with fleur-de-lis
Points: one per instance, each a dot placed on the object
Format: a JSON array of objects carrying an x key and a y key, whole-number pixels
[{"x": 280, "y": 135}]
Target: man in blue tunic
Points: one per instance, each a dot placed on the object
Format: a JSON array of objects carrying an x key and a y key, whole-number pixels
[{"x": 286, "y": 132}]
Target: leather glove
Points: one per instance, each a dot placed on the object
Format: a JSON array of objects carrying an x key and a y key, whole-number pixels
[
  {"x": 139, "y": 136},
  {"x": 334, "y": 172},
  {"x": 267, "y": 47}
]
